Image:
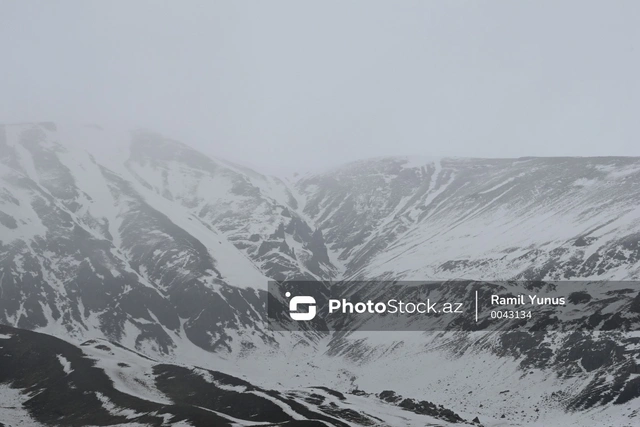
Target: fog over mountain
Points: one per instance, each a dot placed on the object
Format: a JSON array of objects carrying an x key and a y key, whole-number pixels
[{"x": 291, "y": 85}]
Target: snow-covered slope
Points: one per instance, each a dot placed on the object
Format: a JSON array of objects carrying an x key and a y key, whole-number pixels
[
  {"x": 489, "y": 219},
  {"x": 256, "y": 213}
]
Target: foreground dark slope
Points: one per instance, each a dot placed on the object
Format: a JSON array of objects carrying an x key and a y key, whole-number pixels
[{"x": 102, "y": 383}]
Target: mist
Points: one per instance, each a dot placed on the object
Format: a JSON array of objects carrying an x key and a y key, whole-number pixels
[{"x": 285, "y": 85}]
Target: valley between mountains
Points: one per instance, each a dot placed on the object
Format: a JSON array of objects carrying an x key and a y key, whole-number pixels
[{"x": 134, "y": 270}]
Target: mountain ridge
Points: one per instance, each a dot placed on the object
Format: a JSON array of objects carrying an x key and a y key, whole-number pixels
[{"x": 167, "y": 252}]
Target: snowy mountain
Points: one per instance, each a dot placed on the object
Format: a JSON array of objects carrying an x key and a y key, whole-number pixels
[
  {"x": 165, "y": 253},
  {"x": 89, "y": 247},
  {"x": 489, "y": 219}
]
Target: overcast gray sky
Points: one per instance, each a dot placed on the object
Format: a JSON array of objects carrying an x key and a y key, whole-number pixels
[{"x": 295, "y": 83}]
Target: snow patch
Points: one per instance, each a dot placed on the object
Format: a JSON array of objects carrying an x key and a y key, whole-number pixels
[{"x": 66, "y": 365}]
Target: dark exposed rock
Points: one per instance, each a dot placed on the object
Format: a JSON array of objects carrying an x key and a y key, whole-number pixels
[
  {"x": 579, "y": 298},
  {"x": 279, "y": 233},
  {"x": 422, "y": 407},
  {"x": 8, "y": 221}
]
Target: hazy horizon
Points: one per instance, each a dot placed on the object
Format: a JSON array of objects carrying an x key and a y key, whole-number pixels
[
  {"x": 290, "y": 171},
  {"x": 283, "y": 85}
]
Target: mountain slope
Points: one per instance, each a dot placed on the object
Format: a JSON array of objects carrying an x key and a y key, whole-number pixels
[
  {"x": 53, "y": 382},
  {"x": 492, "y": 219},
  {"x": 92, "y": 250},
  {"x": 255, "y": 212}
]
